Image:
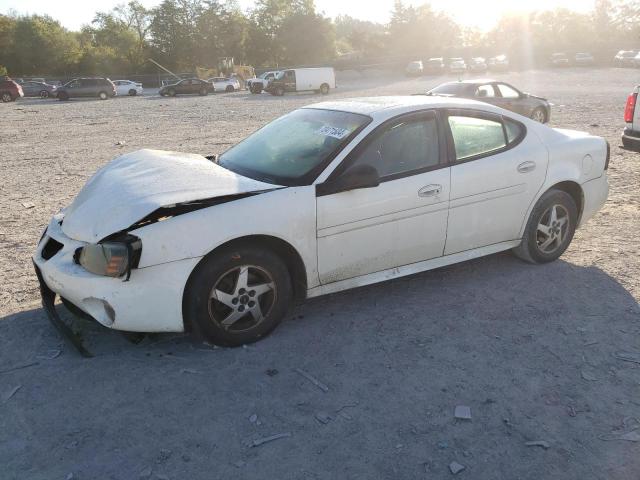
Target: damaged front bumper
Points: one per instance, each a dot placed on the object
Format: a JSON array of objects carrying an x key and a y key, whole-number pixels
[{"x": 151, "y": 301}]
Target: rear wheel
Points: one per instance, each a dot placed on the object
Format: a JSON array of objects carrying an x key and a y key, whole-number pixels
[
  {"x": 324, "y": 89},
  {"x": 44, "y": 94},
  {"x": 171, "y": 92},
  {"x": 103, "y": 95},
  {"x": 203, "y": 92},
  {"x": 237, "y": 295},
  {"x": 279, "y": 91},
  {"x": 256, "y": 88},
  {"x": 229, "y": 89},
  {"x": 550, "y": 228},
  {"x": 539, "y": 115},
  {"x": 6, "y": 97}
]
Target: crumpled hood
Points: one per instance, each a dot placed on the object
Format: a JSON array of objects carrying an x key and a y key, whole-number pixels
[{"x": 134, "y": 185}]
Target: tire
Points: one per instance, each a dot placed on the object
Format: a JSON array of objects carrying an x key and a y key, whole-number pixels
[
  {"x": 233, "y": 301},
  {"x": 6, "y": 97},
  {"x": 229, "y": 89},
  {"x": 532, "y": 249},
  {"x": 171, "y": 92},
  {"x": 133, "y": 92},
  {"x": 203, "y": 92},
  {"x": 324, "y": 89},
  {"x": 539, "y": 115},
  {"x": 103, "y": 95},
  {"x": 278, "y": 91},
  {"x": 256, "y": 88},
  {"x": 63, "y": 96},
  {"x": 44, "y": 94}
]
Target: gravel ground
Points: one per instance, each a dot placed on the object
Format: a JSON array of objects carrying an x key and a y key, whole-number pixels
[{"x": 533, "y": 350}]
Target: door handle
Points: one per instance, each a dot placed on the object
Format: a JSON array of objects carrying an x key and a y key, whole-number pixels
[
  {"x": 430, "y": 191},
  {"x": 526, "y": 167}
]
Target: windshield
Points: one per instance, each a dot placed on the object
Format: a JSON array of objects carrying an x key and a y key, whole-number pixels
[
  {"x": 449, "y": 89},
  {"x": 293, "y": 149}
]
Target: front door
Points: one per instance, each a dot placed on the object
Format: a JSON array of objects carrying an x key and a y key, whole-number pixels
[
  {"x": 401, "y": 221},
  {"x": 289, "y": 79},
  {"x": 497, "y": 170},
  {"x": 510, "y": 99}
]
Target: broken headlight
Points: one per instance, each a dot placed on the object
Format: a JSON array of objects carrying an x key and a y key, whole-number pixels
[{"x": 111, "y": 258}]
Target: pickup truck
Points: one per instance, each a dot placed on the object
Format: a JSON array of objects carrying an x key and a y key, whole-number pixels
[
  {"x": 631, "y": 134},
  {"x": 257, "y": 85}
]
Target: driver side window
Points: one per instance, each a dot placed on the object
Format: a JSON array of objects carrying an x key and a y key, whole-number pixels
[
  {"x": 485, "y": 91},
  {"x": 404, "y": 146}
]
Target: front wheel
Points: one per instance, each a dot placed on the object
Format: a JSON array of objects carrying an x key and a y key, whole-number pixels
[
  {"x": 203, "y": 92},
  {"x": 133, "y": 92},
  {"x": 229, "y": 89},
  {"x": 6, "y": 97},
  {"x": 237, "y": 295},
  {"x": 103, "y": 95},
  {"x": 44, "y": 94},
  {"x": 550, "y": 228}
]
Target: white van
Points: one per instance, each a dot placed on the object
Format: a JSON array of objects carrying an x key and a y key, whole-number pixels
[{"x": 303, "y": 80}]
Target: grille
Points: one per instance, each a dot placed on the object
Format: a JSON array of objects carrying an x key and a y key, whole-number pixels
[{"x": 51, "y": 248}]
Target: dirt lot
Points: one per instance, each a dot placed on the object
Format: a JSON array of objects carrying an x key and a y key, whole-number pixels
[{"x": 534, "y": 351}]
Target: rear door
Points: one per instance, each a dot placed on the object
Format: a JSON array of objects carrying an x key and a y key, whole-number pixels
[
  {"x": 497, "y": 170},
  {"x": 509, "y": 98}
]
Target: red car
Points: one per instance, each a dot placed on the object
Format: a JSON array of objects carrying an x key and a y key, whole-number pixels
[{"x": 10, "y": 90}]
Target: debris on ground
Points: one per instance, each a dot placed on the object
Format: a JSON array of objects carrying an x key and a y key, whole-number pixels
[
  {"x": 313, "y": 380},
  {"x": 121, "y": 143},
  {"x": 28, "y": 205},
  {"x": 323, "y": 417},
  {"x": 163, "y": 456},
  {"x": 19, "y": 367},
  {"x": 11, "y": 393},
  {"x": 70, "y": 476},
  {"x": 538, "y": 443},
  {"x": 443, "y": 445},
  {"x": 145, "y": 474},
  {"x": 190, "y": 370},
  {"x": 456, "y": 467},
  {"x": 51, "y": 354},
  {"x": 272, "y": 372},
  {"x": 261, "y": 441},
  {"x": 628, "y": 357},
  {"x": 589, "y": 376},
  {"x": 239, "y": 464},
  {"x": 462, "y": 412},
  {"x": 632, "y": 436},
  {"x": 253, "y": 418}
]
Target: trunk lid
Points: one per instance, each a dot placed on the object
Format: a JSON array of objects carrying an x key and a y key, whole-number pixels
[{"x": 136, "y": 184}]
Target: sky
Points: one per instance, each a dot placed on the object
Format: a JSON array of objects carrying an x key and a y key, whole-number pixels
[{"x": 482, "y": 14}]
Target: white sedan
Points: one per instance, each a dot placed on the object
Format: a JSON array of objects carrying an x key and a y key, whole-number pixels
[
  {"x": 326, "y": 198},
  {"x": 222, "y": 84},
  {"x": 127, "y": 87}
]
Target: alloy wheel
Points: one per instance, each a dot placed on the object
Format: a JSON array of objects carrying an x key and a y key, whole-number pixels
[
  {"x": 242, "y": 298},
  {"x": 538, "y": 116},
  {"x": 553, "y": 228}
]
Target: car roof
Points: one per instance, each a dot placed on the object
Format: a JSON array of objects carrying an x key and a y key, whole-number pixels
[{"x": 388, "y": 106}]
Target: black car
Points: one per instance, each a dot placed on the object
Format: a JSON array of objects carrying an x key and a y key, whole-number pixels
[
  {"x": 188, "y": 86},
  {"x": 101, "y": 88},
  {"x": 499, "y": 94}
]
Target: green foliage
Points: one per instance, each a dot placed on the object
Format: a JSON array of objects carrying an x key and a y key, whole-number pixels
[{"x": 184, "y": 34}]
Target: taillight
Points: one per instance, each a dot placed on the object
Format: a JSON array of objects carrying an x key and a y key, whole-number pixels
[{"x": 630, "y": 108}]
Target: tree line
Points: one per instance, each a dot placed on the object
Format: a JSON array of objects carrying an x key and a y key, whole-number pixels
[{"x": 185, "y": 34}]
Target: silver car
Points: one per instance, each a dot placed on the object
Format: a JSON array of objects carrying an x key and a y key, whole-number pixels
[{"x": 500, "y": 94}]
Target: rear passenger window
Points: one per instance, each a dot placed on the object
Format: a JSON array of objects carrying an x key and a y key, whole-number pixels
[
  {"x": 476, "y": 136},
  {"x": 514, "y": 130},
  {"x": 402, "y": 147}
]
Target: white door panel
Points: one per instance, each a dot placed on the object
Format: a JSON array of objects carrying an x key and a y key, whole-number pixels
[
  {"x": 490, "y": 196},
  {"x": 368, "y": 230}
]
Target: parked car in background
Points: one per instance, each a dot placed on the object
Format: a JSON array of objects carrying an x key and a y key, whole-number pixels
[
  {"x": 32, "y": 88},
  {"x": 329, "y": 197},
  {"x": 414, "y": 69},
  {"x": 457, "y": 65},
  {"x": 559, "y": 60},
  {"x": 435, "y": 66},
  {"x": 101, "y": 88},
  {"x": 499, "y": 94},
  {"x": 584, "y": 60},
  {"x": 10, "y": 90},
  {"x": 477, "y": 65},
  {"x": 631, "y": 133},
  {"x": 303, "y": 80},
  {"x": 127, "y": 87},
  {"x": 636, "y": 61},
  {"x": 223, "y": 84},
  {"x": 260, "y": 83},
  {"x": 625, "y": 58},
  {"x": 499, "y": 63},
  {"x": 188, "y": 86}
]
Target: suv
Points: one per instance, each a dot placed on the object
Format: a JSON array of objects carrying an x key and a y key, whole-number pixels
[
  {"x": 631, "y": 134},
  {"x": 101, "y": 88},
  {"x": 9, "y": 90}
]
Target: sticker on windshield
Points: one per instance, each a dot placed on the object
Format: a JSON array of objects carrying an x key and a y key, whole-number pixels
[{"x": 334, "y": 132}]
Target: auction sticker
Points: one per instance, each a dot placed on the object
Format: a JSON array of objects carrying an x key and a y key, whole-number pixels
[{"x": 334, "y": 132}]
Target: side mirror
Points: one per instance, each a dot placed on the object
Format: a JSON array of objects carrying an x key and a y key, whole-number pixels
[{"x": 359, "y": 176}]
